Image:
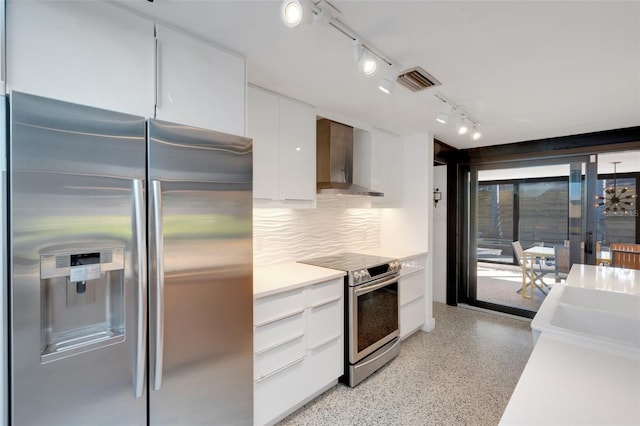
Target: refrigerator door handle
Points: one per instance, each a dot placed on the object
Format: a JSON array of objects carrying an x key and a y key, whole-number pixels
[
  {"x": 159, "y": 283},
  {"x": 141, "y": 317}
]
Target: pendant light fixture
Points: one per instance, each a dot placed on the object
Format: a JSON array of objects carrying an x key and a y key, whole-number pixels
[{"x": 616, "y": 203}]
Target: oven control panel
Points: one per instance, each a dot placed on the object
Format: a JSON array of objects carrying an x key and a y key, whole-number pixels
[{"x": 363, "y": 275}]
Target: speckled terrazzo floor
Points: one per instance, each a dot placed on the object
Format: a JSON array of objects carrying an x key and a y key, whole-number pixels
[{"x": 461, "y": 373}]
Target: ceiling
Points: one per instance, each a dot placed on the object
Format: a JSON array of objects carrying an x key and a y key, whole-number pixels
[{"x": 524, "y": 69}]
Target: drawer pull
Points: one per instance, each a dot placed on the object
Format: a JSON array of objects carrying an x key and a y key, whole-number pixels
[
  {"x": 291, "y": 364},
  {"x": 326, "y": 342},
  {"x": 272, "y": 320},
  {"x": 284, "y": 342},
  {"x": 326, "y": 302}
]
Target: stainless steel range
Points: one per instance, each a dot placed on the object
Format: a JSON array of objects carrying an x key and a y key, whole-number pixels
[{"x": 371, "y": 311}]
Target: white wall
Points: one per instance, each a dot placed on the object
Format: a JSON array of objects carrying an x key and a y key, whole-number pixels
[{"x": 440, "y": 237}]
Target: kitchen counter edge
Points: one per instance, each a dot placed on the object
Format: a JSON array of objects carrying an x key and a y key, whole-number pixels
[{"x": 282, "y": 277}]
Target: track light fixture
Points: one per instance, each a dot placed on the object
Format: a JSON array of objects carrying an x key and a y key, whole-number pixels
[
  {"x": 477, "y": 134},
  {"x": 464, "y": 122},
  {"x": 389, "y": 80},
  {"x": 443, "y": 116},
  {"x": 291, "y": 12},
  {"x": 368, "y": 58},
  {"x": 367, "y": 62},
  {"x": 463, "y": 128}
]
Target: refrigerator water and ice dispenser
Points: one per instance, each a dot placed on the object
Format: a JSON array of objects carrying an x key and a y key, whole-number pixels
[{"x": 82, "y": 301}]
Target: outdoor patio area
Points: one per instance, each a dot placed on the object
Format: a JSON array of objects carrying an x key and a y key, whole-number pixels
[{"x": 500, "y": 284}]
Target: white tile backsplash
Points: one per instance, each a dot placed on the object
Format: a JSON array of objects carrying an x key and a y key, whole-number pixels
[{"x": 281, "y": 234}]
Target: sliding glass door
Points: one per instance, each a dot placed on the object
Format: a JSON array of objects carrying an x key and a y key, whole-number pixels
[{"x": 516, "y": 210}]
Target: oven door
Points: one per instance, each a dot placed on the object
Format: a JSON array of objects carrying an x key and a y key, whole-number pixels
[{"x": 373, "y": 317}]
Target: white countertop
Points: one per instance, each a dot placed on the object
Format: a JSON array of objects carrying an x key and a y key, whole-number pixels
[
  {"x": 585, "y": 366},
  {"x": 574, "y": 383},
  {"x": 606, "y": 278},
  {"x": 273, "y": 279}
]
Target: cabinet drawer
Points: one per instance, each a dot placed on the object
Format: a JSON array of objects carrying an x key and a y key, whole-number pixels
[
  {"x": 273, "y": 359},
  {"x": 325, "y": 322},
  {"x": 278, "y": 306},
  {"x": 411, "y": 287},
  {"x": 412, "y": 316},
  {"x": 325, "y": 364},
  {"x": 277, "y": 332},
  {"x": 323, "y": 292},
  {"x": 276, "y": 394}
]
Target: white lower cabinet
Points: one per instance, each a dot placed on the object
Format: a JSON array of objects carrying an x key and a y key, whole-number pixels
[
  {"x": 275, "y": 394},
  {"x": 412, "y": 298},
  {"x": 298, "y": 347}
]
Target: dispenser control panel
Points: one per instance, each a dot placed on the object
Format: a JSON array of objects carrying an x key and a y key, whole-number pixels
[{"x": 81, "y": 265}]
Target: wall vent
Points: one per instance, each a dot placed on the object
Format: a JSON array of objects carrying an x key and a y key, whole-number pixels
[{"x": 416, "y": 79}]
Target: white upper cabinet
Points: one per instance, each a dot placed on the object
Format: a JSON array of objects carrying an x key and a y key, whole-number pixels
[
  {"x": 86, "y": 52},
  {"x": 378, "y": 164},
  {"x": 284, "y": 148},
  {"x": 263, "y": 124},
  {"x": 297, "y": 150},
  {"x": 199, "y": 84}
]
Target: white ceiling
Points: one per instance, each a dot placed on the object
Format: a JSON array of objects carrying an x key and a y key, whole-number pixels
[{"x": 524, "y": 69}]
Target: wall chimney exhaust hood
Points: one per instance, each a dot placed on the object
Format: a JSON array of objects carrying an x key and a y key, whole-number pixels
[{"x": 334, "y": 160}]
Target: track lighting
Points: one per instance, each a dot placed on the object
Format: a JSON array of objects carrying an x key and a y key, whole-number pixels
[
  {"x": 443, "y": 116},
  {"x": 291, "y": 13},
  {"x": 464, "y": 121},
  {"x": 477, "y": 134},
  {"x": 367, "y": 63},
  {"x": 368, "y": 58},
  {"x": 463, "y": 128},
  {"x": 323, "y": 16},
  {"x": 389, "y": 80}
]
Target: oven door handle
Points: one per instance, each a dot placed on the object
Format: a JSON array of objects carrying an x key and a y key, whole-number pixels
[{"x": 371, "y": 287}]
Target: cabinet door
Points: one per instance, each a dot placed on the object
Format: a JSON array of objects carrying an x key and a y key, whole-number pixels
[
  {"x": 412, "y": 303},
  {"x": 387, "y": 166},
  {"x": 297, "y": 150},
  {"x": 278, "y": 392},
  {"x": 90, "y": 53},
  {"x": 199, "y": 84},
  {"x": 263, "y": 127},
  {"x": 325, "y": 363}
]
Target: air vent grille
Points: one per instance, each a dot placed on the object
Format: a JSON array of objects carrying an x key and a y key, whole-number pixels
[{"x": 416, "y": 79}]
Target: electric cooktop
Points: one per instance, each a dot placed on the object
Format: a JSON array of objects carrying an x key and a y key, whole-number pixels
[{"x": 348, "y": 261}]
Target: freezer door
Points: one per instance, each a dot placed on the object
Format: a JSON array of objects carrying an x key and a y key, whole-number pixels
[
  {"x": 77, "y": 262},
  {"x": 200, "y": 278}
]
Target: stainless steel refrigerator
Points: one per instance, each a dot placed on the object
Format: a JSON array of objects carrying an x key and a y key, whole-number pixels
[{"x": 130, "y": 258}]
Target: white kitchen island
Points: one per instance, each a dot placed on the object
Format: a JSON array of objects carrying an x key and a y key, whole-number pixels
[{"x": 579, "y": 377}]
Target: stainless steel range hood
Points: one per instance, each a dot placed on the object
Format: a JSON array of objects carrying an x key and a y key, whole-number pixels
[{"x": 334, "y": 160}]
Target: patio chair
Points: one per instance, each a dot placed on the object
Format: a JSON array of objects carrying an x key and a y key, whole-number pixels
[
  {"x": 562, "y": 262},
  {"x": 538, "y": 272}
]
